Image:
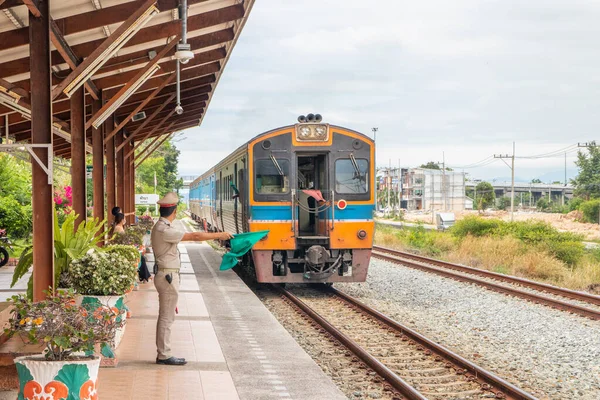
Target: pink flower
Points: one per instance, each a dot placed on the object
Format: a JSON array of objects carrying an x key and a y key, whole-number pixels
[{"x": 58, "y": 200}]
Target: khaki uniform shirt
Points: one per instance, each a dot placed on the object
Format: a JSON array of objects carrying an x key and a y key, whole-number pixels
[{"x": 164, "y": 239}]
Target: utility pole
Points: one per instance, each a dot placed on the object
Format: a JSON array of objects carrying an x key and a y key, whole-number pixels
[
  {"x": 389, "y": 186},
  {"x": 512, "y": 170},
  {"x": 399, "y": 187},
  {"x": 565, "y": 169},
  {"x": 444, "y": 181},
  {"x": 375, "y": 163}
]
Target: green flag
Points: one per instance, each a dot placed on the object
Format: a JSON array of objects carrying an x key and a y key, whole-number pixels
[{"x": 240, "y": 245}]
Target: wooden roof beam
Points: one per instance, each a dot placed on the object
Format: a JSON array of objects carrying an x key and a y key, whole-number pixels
[
  {"x": 139, "y": 108},
  {"x": 98, "y": 53},
  {"x": 197, "y": 43},
  {"x": 154, "y": 129},
  {"x": 202, "y": 82},
  {"x": 184, "y": 97},
  {"x": 145, "y": 35},
  {"x": 84, "y": 21},
  {"x": 178, "y": 120},
  {"x": 124, "y": 93},
  {"x": 69, "y": 56},
  {"x": 189, "y": 109},
  {"x": 154, "y": 114}
]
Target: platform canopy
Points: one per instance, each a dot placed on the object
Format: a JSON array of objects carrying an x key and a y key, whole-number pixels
[
  {"x": 111, "y": 78},
  {"x": 123, "y": 54}
]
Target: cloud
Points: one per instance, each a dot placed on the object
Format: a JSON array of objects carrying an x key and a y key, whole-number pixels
[{"x": 467, "y": 77}]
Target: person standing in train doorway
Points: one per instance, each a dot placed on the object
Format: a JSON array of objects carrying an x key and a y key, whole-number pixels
[{"x": 165, "y": 238}]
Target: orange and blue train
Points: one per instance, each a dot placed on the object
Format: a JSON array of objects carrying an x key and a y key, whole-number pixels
[{"x": 311, "y": 185}]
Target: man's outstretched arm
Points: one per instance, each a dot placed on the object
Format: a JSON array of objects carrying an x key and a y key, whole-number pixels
[{"x": 203, "y": 236}]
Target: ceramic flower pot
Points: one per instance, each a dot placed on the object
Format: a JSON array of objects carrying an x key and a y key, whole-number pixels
[
  {"x": 91, "y": 303},
  {"x": 54, "y": 380}
]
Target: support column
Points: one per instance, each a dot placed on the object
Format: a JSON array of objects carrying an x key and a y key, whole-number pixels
[
  {"x": 126, "y": 182},
  {"x": 41, "y": 133},
  {"x": 111, "y": 186},
  {"x": 78, "y": 179},
  {"x": 120, "y": 176},
  {"x": 132, "y": 173},
  {"x": 98, "y": 168}
]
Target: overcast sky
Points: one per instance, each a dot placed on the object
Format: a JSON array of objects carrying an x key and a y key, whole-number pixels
[{"x": 461, "y": 77}]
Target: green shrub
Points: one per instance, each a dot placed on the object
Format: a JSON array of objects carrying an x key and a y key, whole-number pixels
[
  {"x": 591, "y": 211},
  {"x": 14, "y": 217},
  {"x": 475, "y": 226},
  {"x": 102, "y": 274},
  {"x": 543, "y": 204},
  {"x": 152, "y": 209},
  {"x": 131, "y": 253},
  {"x": 575, "y": 203},
  {"x": 131, "y": 237},
  {"x": 568, "y": 252},
  {"x": 141, "y": 209},
  {"x": 504, "y": 203}
]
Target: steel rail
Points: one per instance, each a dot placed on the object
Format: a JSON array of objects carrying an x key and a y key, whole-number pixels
[
  {"x": 392, "y": 378},
  {"x": 508, "y": 389},
  {"x": 543, "y": 287},
  {"x": 449, "y": 273}
]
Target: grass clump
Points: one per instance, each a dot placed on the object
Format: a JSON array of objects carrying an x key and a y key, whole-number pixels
[
  {"x": 565, "y": 246},
  {"x": 530, "y": 249}
]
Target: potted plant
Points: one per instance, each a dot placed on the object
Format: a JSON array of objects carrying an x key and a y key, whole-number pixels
[
  {"x": 146, "y": 222},
  {"x": 131, "y": 237},
  {"x": 69, "y": 334},
  {"x": 132, "y": 254},
  {"x": 69, "y": 243},
  {"x": 101, "y": 278}
]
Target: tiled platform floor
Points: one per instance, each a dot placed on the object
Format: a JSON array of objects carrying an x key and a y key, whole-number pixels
[
  {"x": 137, "y": 376},
  {"x": 235, "y": 348}
]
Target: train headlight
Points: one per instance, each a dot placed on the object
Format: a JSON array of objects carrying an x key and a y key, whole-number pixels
[
  {"x": 304, "y": 132},
  {"x": 312, "y": 132}
]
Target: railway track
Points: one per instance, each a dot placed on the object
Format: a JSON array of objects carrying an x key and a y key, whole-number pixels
[
  {"x": 518, "y": 287},
  {"x": 409, "y": 364}
]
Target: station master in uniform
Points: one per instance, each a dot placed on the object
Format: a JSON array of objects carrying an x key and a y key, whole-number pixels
[{"x": 165, "y": 239}]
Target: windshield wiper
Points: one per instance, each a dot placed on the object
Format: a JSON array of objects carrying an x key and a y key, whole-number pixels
[
  {"x": 277, "y": 165},
  {"x": 355, "y": 165}
]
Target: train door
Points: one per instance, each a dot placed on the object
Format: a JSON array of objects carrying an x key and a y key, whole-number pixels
[{"x": 312, "y": 186}]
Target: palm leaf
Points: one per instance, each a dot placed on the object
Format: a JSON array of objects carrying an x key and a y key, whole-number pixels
[{"x": 24, "y": 264}]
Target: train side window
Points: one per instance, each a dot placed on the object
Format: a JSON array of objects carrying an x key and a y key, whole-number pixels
[
  {"x": 350, "y": 177},
  {"x": 272, "y": 176}
]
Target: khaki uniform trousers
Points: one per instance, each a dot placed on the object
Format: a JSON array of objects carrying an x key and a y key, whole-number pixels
[{"x": 168, "y": 294}]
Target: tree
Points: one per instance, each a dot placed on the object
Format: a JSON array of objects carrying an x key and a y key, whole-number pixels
[
  {"x": 536, "y": 180},
  {"x": 485, "y": 195},
  {"x": 504, "y": 203},
  {"x": 430, "y": 165},
  {"x": 434, "y": 165},
  {"x": 587, "y": 182},
  {"x": 163, "y": 165}
]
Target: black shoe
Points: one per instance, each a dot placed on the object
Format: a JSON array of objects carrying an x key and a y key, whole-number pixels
[{"x": 172, "y": 361}]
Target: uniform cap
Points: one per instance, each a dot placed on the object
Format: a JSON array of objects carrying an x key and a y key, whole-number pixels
[{"x": 170, "y": 200}]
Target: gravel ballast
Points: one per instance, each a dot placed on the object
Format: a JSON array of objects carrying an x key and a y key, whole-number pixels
[{"x": 550, "y": 353}]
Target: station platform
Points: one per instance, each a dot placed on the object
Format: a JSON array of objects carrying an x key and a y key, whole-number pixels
[{"x": 234, "y": 347}]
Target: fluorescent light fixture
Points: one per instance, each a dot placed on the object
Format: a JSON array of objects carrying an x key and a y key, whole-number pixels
[
  {"x": 9, "y": 100},
  {"x": 131, "y": 90},
  {"x": 110, "y": 51}
]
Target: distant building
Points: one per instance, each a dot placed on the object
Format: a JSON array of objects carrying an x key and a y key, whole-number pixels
[
  {"x": 424, "y": 189},
  {"x": 433, "y": 189}
]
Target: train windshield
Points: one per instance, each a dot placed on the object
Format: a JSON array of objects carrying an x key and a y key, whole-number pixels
[
  {"x": 272, "y": 176},
  {"x": 351, "y": 176}
]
